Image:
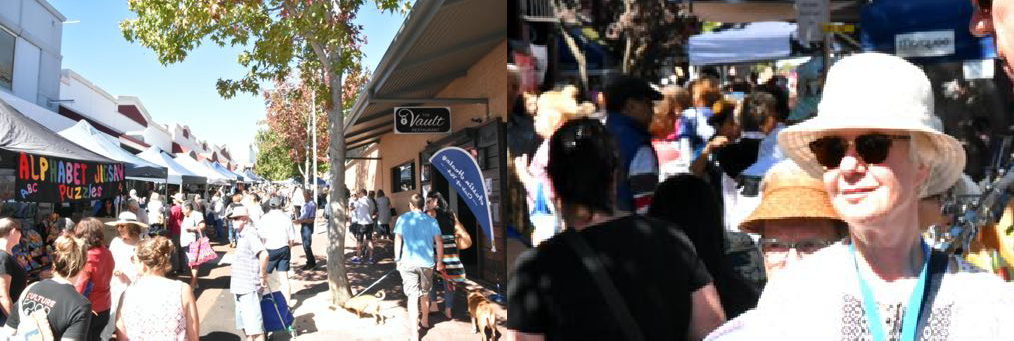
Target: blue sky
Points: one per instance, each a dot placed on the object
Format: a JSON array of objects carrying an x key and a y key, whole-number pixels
[{"x": 184, "y": 92}]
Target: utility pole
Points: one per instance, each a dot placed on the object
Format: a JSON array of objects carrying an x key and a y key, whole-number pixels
[
  {"x": 306, "y": 175},
  {"x": 314, "y": 106}
]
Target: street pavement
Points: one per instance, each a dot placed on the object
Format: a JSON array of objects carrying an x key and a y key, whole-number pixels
[{"x": 314, "y": 319}]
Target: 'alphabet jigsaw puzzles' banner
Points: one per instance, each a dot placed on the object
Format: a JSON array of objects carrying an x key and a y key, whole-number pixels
[{"x": 51, "y": 179}]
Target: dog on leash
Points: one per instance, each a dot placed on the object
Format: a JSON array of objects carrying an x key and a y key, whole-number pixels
[
  {"x": 482, "y": 313},
  {"x": 367, "y": 304}
]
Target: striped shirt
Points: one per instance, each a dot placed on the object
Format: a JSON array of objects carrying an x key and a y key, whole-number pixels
[{"x": 246, "y": 267}]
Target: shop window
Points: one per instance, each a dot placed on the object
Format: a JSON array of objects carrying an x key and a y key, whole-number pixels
[
  {"x": 7, "y": 41},
  {"x": 403, "y": 177}
]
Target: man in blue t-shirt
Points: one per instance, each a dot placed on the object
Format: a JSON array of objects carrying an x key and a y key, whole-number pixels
[{"x": 416, "y": 236}]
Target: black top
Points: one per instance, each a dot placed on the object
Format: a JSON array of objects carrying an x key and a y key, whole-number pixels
[
  {"x": 70, "y": 314},
  {"x": 736, "y": 157},
  {"x": 653, "y": 266},
  {"x": 9, "y": 266}
]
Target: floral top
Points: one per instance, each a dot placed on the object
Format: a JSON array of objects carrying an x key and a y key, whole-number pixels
[{"x": 820, "y": 298}]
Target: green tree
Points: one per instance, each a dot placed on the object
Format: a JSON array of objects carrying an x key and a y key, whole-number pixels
[
  {"x": 317, "y": 40},
  {"x": 273, "y": 159}
]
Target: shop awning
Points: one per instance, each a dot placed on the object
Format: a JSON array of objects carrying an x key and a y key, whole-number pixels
[
  {"x": 923, "y": 31},
  {"x": 250, "y": 175},
  {"x": 177, "y": 173},
  {"x": 743, "y": 11},
  {"x": 196, "y": 167},
  {"x": 437, "y": 43},
  {"x": 86, "y": 136},
  {"x": 51, "y": 168},
  {"x": 754, "y": 42}
]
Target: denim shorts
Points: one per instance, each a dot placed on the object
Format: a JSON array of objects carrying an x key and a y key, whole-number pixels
[
  {"x": 278, "y": 259},
  {"x": 248, "y": 313}
]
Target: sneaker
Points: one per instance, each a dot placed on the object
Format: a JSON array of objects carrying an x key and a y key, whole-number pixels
[
  {"x": 372, "y": 261},
  {"x": 355, "y": 260}
]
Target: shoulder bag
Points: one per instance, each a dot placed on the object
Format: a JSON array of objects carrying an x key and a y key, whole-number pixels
[
  {"x": 461, "y": 237},
  {"x": 616, "y": 304}
]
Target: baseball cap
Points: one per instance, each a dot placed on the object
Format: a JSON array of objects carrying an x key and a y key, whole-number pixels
[{"x": 625, "y": 87}]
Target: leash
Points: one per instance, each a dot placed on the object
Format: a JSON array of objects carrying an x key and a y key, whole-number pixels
[{"x": 374, "y": 283}]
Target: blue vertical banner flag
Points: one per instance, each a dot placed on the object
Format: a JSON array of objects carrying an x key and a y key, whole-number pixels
[{"x": 462, "y": 171}]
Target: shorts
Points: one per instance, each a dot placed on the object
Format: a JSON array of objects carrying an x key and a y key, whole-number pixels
[
  {"x": 416, "y": 281},
  {"x": 248, "y": 313},
  {"x": 362, "y": 232},
  {"x": 278, "y": 259}
]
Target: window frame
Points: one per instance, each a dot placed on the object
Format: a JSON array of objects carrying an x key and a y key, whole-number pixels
[{"x": 396, "y": 176}]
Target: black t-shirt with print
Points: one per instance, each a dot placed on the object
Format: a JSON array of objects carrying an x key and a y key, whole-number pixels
[
  {"x": 653, "y": 266},
  {"x": 9, "y": 266},
  {"x": 70, "y": 314}
]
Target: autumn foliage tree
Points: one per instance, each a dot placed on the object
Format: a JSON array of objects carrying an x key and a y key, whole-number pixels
[
  {"x": 317, "y": 41},
  {"x": 273, "y": 160}
]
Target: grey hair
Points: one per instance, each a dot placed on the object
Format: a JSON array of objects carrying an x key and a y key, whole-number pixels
[{"x": 922, "y": 151}]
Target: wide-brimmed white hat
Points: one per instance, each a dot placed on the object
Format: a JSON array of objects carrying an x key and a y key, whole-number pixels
[
  {"x": 126, "y": 218},
  {"x": 882, "y": 92}
]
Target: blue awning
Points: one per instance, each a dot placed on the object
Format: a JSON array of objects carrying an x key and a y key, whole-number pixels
[{"x": 923, "y": 31}]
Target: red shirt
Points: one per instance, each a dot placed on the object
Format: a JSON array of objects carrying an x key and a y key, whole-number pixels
[
  {"x": 175, "y": 220},
  {"x": 99, "y": 271}
]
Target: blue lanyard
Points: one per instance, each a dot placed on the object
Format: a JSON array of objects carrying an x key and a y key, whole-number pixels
[{"x": 910, "y": 323}]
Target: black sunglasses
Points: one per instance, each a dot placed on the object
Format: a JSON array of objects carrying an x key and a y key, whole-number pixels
[
  {"x": 806, "y": 246},
  {"x": 984, "y": 5},
  {"x": 872, "y": 148}
]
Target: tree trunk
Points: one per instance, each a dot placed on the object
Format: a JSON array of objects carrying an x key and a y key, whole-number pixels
[
  {"x": 337, "y": 277},
  {"x": 582, "y": 63}
]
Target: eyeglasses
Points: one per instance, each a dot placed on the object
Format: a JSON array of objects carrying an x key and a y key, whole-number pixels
[
  {"x": 984, "y": 5},
  {"x": 805, "y": 246},
  {"x": 872, "y": 148},
  {"x": 236, "y": 218}
]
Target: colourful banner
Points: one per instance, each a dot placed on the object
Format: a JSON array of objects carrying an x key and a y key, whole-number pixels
[
  {"x": 51, "y": 179},
  {"x": 462, "y": 172}
]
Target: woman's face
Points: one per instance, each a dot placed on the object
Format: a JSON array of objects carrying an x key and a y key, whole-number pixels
[{"x": 867, "y": 193}]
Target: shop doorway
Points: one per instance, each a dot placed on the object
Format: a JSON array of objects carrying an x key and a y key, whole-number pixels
[{"x": 469, "y": 257}]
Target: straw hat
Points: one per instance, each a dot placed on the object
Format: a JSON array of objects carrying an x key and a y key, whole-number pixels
[
  {"x": 883, "y": 92},
  {"x": 126, "y": 218},
  {"x": 178, "y": 197},
  {"x": 788, "y": 192}
]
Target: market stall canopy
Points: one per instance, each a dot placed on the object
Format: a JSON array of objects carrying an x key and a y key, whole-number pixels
[
  {"x": 177, "y": 173},
  {"x": 250, "y": 175},
  {"x": 437, "y": 43},
  {"x": 196, "y": 167},
  {"x": 221, "y": 170},
  {"x": 137, "y": 168},
  {"x": 923, "y": 31},
  {"x": 754, "y": 42},
  {"x": 51, "y": 168},
  {"x": 740, "y": 11}
]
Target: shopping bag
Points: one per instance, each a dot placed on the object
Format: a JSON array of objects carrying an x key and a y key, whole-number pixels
[
  {"x": 201, "y": 252},
  {"x": 545, "y": 221},
  {"x": 275, "y": 312}
]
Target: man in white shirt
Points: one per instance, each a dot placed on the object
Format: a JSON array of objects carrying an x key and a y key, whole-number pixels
[
  {"x": 276, "y": 231},
  {"x": 362, "y": 225}
]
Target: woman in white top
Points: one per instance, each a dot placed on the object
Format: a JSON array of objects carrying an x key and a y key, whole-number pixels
[
  {"x": 156, "y": 214},
  {"x": 155, "y": 307},
  {"x": 123, "y": 248}
]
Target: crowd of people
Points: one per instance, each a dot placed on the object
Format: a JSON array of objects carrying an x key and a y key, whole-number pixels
[{"x": 768, "y": 227}]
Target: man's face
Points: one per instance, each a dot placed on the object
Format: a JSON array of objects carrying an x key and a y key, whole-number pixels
[
  {"x": 796, "y": 231},
  {"x": 998, "y": 23},
  {"x": 186, "y": 210},
  {"x": 641, "y": 110}
]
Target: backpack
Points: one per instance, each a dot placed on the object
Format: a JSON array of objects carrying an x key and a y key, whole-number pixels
[{"x": 34, "y": 326}]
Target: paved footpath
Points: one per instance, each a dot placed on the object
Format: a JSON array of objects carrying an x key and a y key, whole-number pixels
[{"x": 314, "y": 320}]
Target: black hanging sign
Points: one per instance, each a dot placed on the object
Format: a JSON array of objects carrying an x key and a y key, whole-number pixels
[
  {"x": 422, "y": 120},
  {"x": 51, "y": 179}
]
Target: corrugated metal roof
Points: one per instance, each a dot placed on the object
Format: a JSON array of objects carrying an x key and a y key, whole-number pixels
[{"x": 438, "y": 42}]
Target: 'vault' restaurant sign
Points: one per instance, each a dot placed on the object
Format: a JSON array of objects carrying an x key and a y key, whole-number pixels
[
  {"x": 51, "y": 179},
  {"x": 422, "y": 120}
]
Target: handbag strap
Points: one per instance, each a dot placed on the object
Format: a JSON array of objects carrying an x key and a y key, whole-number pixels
[{"x": 616, "y": 303}]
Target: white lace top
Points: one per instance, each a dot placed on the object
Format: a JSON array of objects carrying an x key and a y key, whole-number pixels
[
  {"x": 153, "y": 310},
  {"x": 820, "y": 299}
]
